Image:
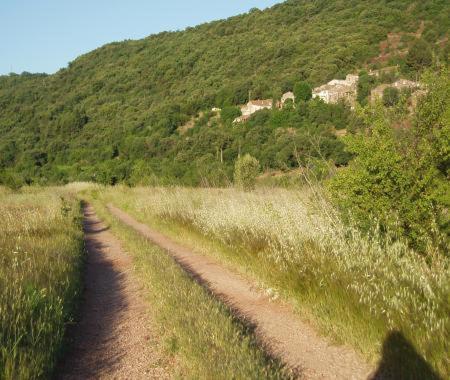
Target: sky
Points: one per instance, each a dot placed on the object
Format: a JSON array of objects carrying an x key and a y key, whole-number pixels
[{"x": 45, "y": 35}]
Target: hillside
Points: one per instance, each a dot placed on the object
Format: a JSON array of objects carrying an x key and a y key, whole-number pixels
[{"x": 113, "y": 114}]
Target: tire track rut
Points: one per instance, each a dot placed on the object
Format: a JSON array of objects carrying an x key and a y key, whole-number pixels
[
  {"x": 114, "y": 337},
  {"x": 295, "y": 342}
]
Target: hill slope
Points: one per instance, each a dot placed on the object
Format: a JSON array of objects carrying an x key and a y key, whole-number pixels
[{"x": 115, "y": 111}]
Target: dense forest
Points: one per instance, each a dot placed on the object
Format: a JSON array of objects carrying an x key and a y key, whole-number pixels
[{"x": 117, "y": 113}]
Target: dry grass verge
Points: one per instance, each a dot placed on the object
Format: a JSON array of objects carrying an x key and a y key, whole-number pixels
[{"x": 41, "y": 250}]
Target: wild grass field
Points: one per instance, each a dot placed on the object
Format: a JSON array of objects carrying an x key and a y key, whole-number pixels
[
  {"x": 375, "y": 294},
  {"x": 41, "y": 256}
]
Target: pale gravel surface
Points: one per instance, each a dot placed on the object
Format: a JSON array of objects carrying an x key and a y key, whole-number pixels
[
  {"x": 114, "y": 338},
  {"x": 286, "y": 336}
]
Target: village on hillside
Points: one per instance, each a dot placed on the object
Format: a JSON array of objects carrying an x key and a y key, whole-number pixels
[
  {"x": 346, "y": 90},
  {"x": 333, "y": 92}
]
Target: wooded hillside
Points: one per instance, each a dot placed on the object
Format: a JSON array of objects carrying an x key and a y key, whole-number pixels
[{"x": 114, "y": 113}]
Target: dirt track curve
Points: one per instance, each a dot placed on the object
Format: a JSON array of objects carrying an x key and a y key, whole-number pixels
[
  {"x": 113, "y": 339},
  {"x": 286, "y": 336}
]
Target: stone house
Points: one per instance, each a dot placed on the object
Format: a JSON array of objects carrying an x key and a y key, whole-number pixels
[
  {"x": 384, "y": 70},
  {"x": 401, "y": 84},
  {"x": 256, "y": 105},
  {"x": 338, "y": 90},
  {"x": 253, "y": 106},
  {"x": 286, "y": 96},
  {"x": 241, "y": 119}
]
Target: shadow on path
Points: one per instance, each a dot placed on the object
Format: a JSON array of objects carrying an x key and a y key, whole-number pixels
[
  {"x": 400, "y": 361},
  {"x": 102, "y": 303}
]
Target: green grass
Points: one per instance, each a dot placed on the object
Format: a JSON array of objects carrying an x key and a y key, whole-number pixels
[
  {"x": 198, "y": 330},
  {"x": 41, "y": 251},
  {"x": 357, "y": 290}
]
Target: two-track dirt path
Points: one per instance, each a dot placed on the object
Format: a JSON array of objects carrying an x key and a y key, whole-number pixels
[
  {"x": 114, "y": 338},
  {"x": 286, "y": 336}
]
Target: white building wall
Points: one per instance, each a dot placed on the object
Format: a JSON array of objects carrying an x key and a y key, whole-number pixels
[
  {"x": 324, "y": 95},
  {"x": 250, "y": 109}
]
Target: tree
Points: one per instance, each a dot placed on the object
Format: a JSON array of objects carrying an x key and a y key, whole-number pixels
[
  {"x": 402, "y": 184},
  {"x": 72, "y": 122},
  {"x": 419, "y": 56},
  {"x": 302, "y": 91},
  {"x": 137, "y": 94},
  {"x": 246, "y": 170},
  {"x": 8, "y": 153},
  {"x": 228, "y": 114},
  {"x": 142, "y": 174},
  {"x": 390, "y": 96},
  {"x": 11, "y": 179},
  {"x": 365, "y": 84}
]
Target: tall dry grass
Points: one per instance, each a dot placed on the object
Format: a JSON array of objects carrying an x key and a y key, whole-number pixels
[
  {"x": 40, "y": 260},
  {"x": 360, "y": 288}
]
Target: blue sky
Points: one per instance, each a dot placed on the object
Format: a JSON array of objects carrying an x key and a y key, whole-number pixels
[{"x": 45, "y": 35}]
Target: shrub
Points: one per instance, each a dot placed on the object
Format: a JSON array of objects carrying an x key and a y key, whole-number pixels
[
  {"x": 302, "y": 91},
  {"x": 245, "y": 172},
  {"x": 12, "y": 180},
  {"x": 228, "y": 114},
  {"x": 390, "y": 96},
  {"x": 142, "y": 175},
  {"x": 419, "y": 56},
  {"x": 365, "y": 84},
  {"x": 402, "y": 182}
]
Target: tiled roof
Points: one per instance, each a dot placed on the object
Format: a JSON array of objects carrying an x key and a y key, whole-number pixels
[{"x": 261, "y": 103}]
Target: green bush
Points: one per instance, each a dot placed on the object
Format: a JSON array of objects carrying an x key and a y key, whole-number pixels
[
  {"x": 228, "y": 114},
  {"x": 11, "y": 179},
  {"x": 390, "y": 96},
  {"x": 303, "y": 91},
  {"x": 245, "y": 172},
  {"x": 142, "y": 175},
  {"x": 401, "y": 183},
  {"x": 419, "y": 56},
  {"x": 365, "y": 84}
]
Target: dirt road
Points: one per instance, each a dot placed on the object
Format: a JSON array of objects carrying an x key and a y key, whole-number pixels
[
  {"x": 114, "y": 338},
  {"x": 285, "y": 335}
]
